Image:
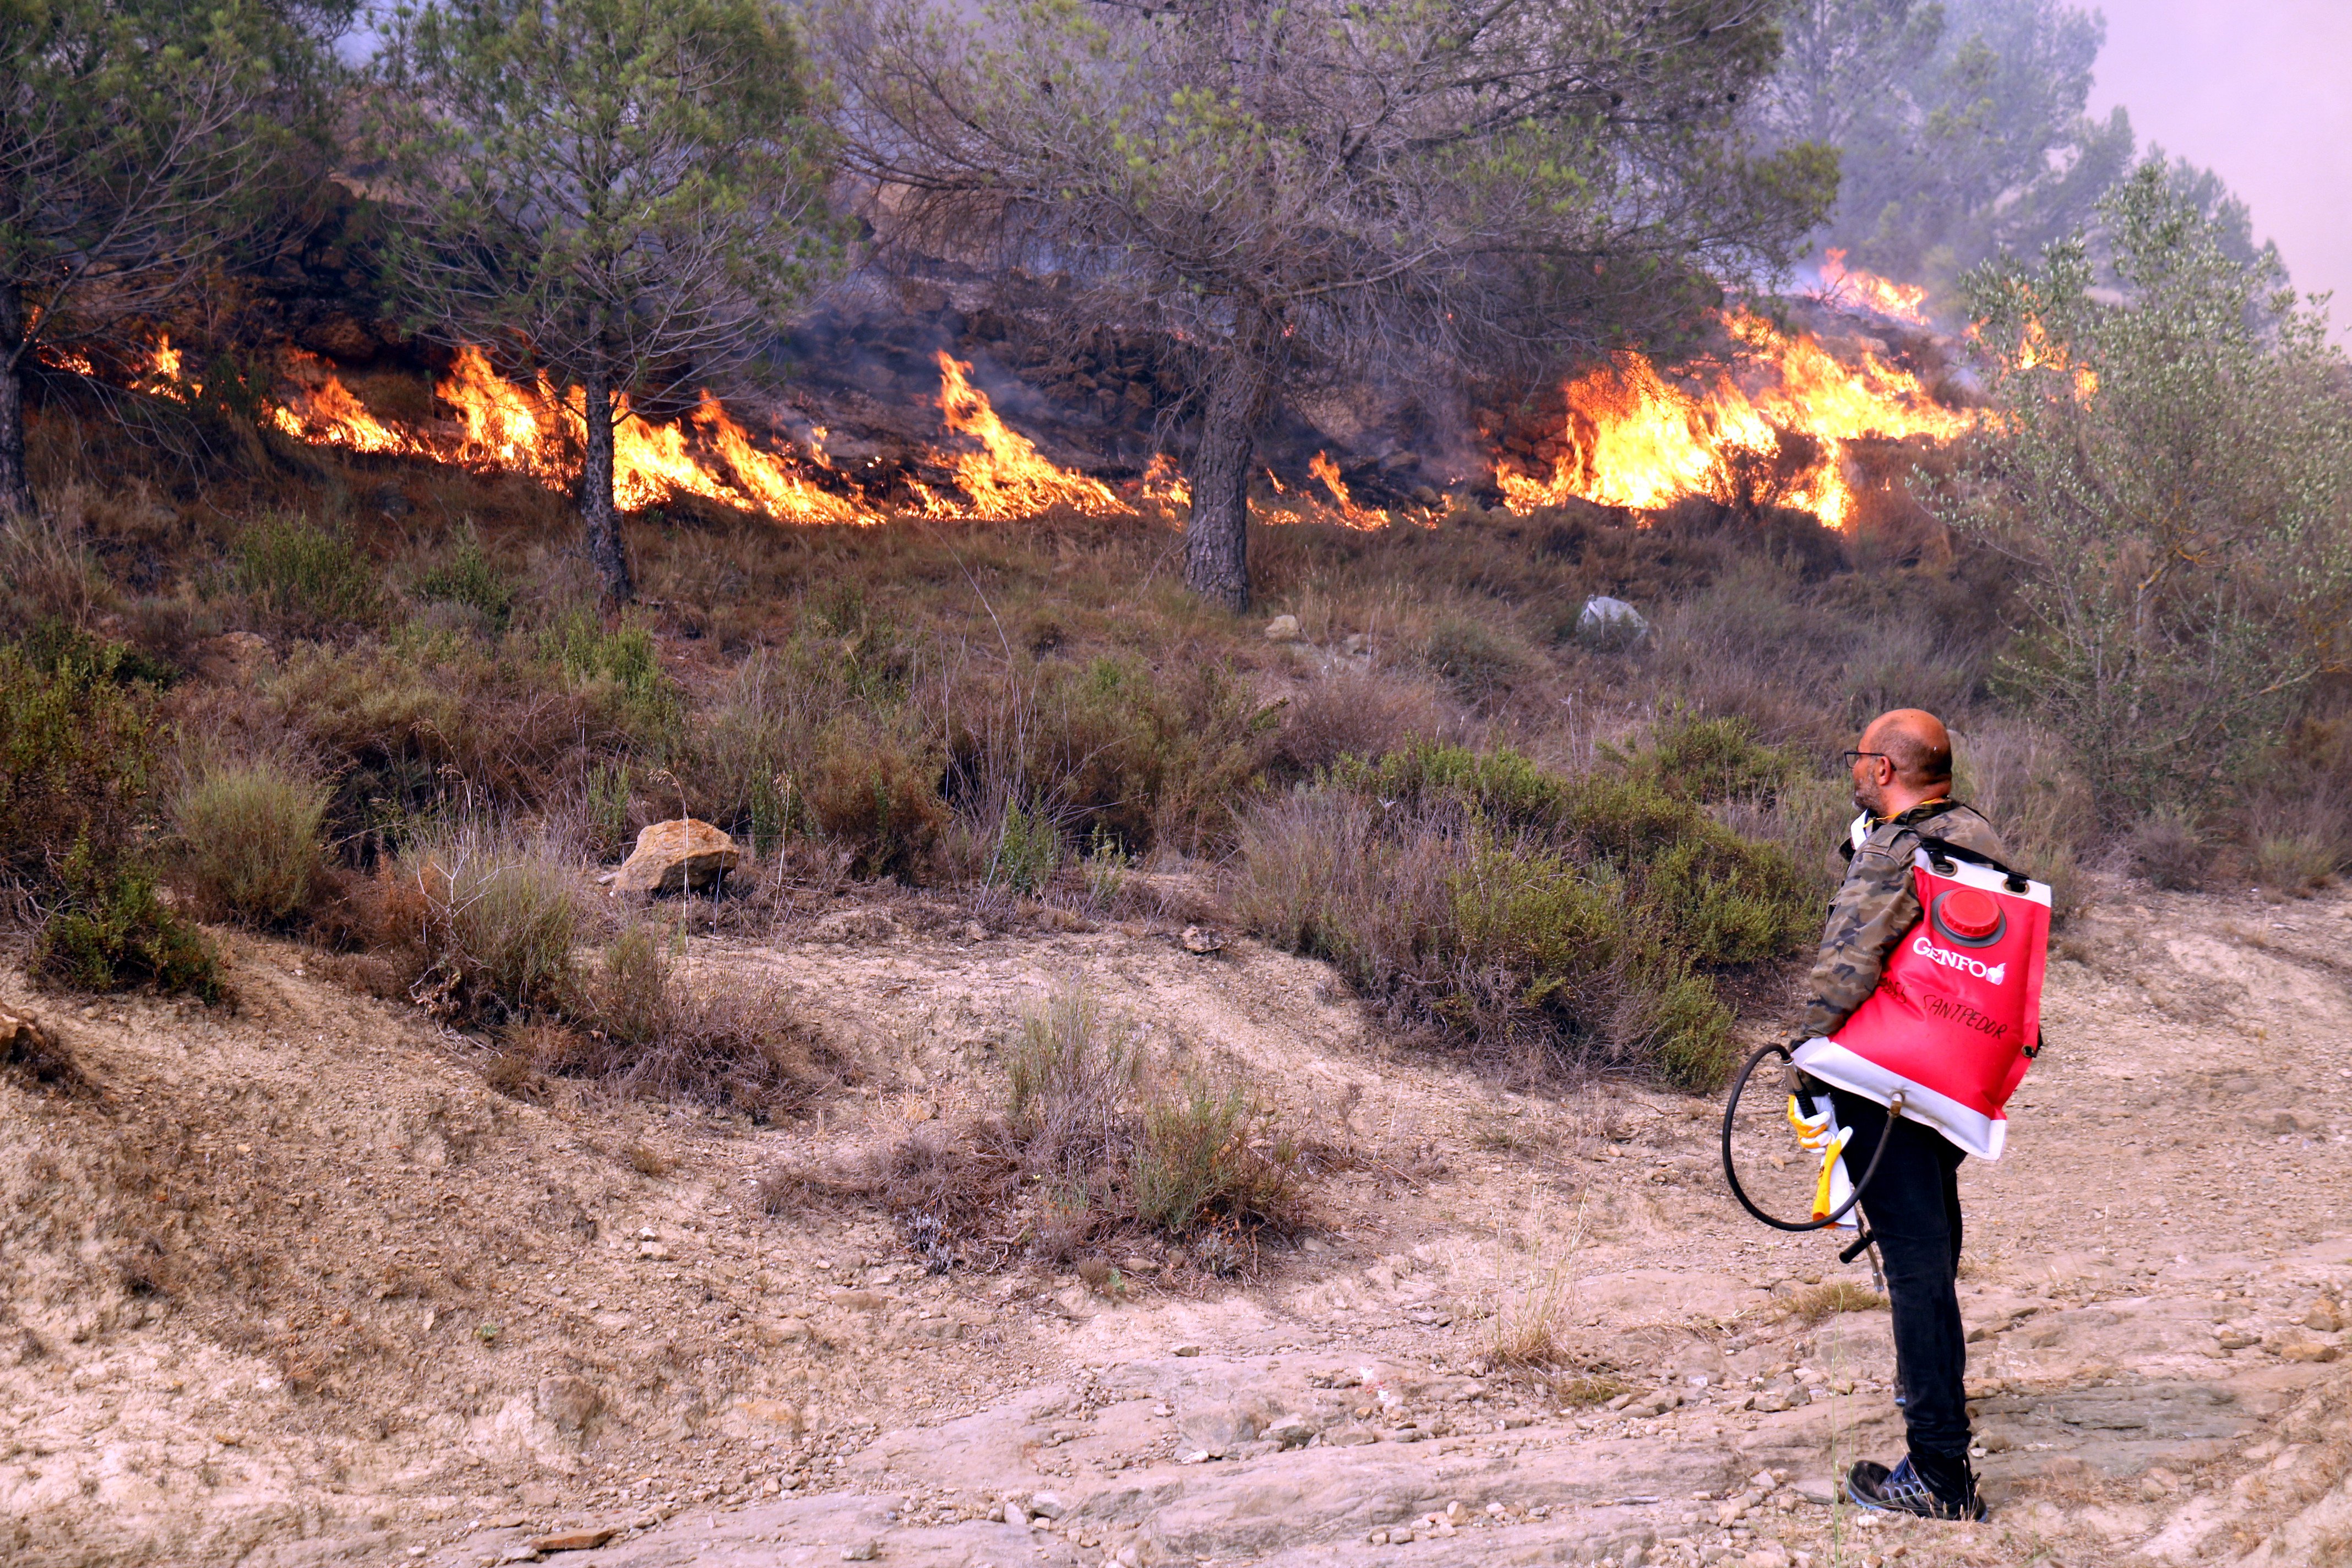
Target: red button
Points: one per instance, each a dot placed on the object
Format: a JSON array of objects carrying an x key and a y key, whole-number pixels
[{"x": 1970, "y": 913}]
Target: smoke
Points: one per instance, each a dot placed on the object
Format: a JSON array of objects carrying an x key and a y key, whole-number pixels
[{"x": 2256, "y": 93}]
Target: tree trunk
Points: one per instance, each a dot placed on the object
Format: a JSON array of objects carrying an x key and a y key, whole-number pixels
[
  {"x": 598, "y": 516},
  {"x": 1216, "y": 542},
  {"x": 16, "y": 486}
]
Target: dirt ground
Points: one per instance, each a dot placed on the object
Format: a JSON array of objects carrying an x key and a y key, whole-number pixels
[{"x": 290, "y": 1284}]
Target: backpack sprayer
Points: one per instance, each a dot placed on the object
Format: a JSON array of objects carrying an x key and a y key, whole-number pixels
[{"x": 1945, "y": 1039}]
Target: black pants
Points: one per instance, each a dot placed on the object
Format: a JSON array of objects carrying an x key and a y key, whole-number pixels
[{"x": 1913, "y": 1206}]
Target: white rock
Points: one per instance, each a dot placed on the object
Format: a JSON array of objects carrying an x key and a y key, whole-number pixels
[
  {"x": 1602, "y": 614},
  {"x": 1282, "y": 628}
]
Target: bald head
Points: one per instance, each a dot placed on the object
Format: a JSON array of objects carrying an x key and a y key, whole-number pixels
[
  {"x": 1916, "y": 741},
  {"x": 1905, "y": 758}
]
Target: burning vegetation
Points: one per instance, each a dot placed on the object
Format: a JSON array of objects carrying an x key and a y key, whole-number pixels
[
  {"x": 1769, "y": 420},
  {"x": 1775, "y": 417}
]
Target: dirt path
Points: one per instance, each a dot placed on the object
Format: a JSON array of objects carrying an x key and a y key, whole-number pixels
[{"x": 293, "y": 1286}]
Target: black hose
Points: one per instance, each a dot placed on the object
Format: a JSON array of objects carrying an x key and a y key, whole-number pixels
[{"x": 1731, "y": 1109}]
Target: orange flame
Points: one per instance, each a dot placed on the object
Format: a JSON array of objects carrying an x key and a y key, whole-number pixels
[
  {"x": 505, "y": 425},
  {"x": 164, "y": 377},
  {"x": 1634, "y": 439},
  {"x": 1902, "y": 303},
  {"x": 325, "y": 413},
  {"x": 2036, "y": 351},
  {"x": 1008, "y": 478},
  {"x": 1164, "y": 484},
  {"x": 1350, "y": 514}
]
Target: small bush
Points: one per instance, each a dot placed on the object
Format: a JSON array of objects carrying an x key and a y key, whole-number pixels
[
  {"x": 1027, "y": 851},
  {"x": 2022, "y": 778},
  {"x": 1355, "y": 713},
  {"x": 495, "y": 923},
  {"x": 47, "y": 572},
  {"x": 1837, "y": 1296},
  {"x": 2299, "y": 843},
  {"x": 1070, "y": 1083},
  {"x": 2168, "y": 849},
  {"x": 639, "y": 1029},
  {"x": 1550, "y": 920},
  {"x": 618, "y": 670},
  {"x": 1213, "y": 1150},
  {"x": 1097, "y": 1136},
  {"x": 1474, "y": 658},
  {"x": 1714, "y": 760},
  {"x": 467, "y": 578},
  {"x": 879, "y": 795},
  {"x": 111, "y": 931},
  {"x": 249, "y": 839},
  {"x": 1590, "y": 1389},
  {"x": 75, "y": 755},
  {"x": 1525, "y": 1333},
  {"x": 305, "y": 578}
]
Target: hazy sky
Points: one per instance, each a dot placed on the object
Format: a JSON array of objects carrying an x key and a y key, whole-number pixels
[{"x": 2259, "y": 91}]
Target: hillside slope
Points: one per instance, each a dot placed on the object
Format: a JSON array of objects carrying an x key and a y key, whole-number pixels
[{"x": 292, "y": 1284}]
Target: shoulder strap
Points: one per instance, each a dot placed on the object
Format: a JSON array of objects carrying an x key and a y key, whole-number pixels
[{"x": 1951, "y": 851}]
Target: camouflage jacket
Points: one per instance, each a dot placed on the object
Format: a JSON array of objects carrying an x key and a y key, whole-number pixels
[{"x": 1875, "y": 906}]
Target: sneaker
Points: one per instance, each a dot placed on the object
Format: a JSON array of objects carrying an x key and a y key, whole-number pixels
[{"x": 1902, "y": 1489}]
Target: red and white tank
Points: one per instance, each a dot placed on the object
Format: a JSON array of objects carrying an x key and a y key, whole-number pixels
[{"x": 1956, "y": 1016}]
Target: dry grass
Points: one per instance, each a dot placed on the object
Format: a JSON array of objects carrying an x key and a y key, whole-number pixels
[
  {"x": 1825, "y": 1300},
  {"x": 1584, "y": 1390},
  {"x": 1098, "y": 1137},
  {"x": 2168, "y": 849}
]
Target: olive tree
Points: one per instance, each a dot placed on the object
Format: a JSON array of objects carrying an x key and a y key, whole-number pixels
[
  {"x": 624, "y": 195},
  {"x": 143, "y": 143},
  {"x": 1274, "y": 182},
  {"x": 2168, "y": 457}
]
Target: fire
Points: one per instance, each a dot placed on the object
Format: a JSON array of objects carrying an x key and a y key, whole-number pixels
[
  {"x": 1008, "y": 478},
  {"x": 1350, "y": 514},
  {"x": 164, "y": 377},
  {"x": 2036, "y": 351},
  {"x": 1162, "y": 483},
  {"x": 512, "y": 428},
  {"x": 324, "y": 413},
  {"x": 1902, "y": 303},
  {"x": 1635, "y": 439}
]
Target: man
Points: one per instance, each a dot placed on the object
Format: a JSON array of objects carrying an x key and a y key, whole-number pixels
[{"x": 1902, "y": 783}]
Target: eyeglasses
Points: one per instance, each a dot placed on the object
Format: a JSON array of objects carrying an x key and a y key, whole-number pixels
[{"x": 1851, "y": 758}]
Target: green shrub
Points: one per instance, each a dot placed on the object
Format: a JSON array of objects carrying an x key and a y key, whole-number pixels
[
  {"x": 878, "y": 795},
  {"x": 497, "y": 921},
  {"x": 1712, "y": 760},
  {"x": 305, "y": 578},
  {"x": 1213, "y": 1151},
  {"x": 1070, "y": 1082},
  {"x": 1550, "y": 920},
  {"x": 1472, "y": 658},
  {"x": 77, "y": 753},
  {"x": 110, "y": 929},
  {"x": 467, "y": 578},
  {"x": 1028, "y": 850},
  {"x": 249, "y": 839},
  {"x": 618, "y": 670},
  {"x": 1115, "y": 747}
]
